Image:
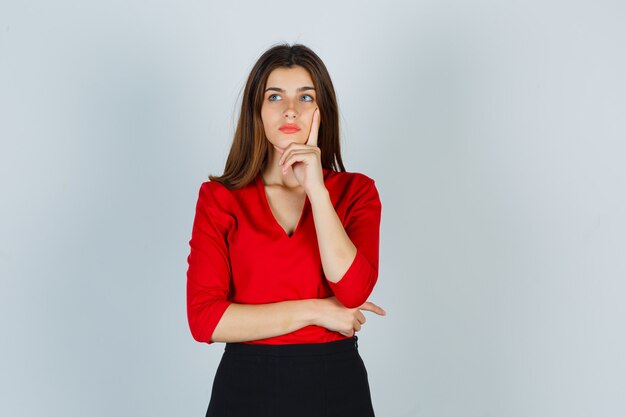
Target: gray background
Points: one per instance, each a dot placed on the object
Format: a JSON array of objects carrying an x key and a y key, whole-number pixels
[{"x": 495, "y": 131}]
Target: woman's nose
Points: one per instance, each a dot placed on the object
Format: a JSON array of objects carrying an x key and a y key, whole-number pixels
[{"x": 291, "y": 111}]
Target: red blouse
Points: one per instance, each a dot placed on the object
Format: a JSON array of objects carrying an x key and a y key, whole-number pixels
[{"x": 240, "y": 254}]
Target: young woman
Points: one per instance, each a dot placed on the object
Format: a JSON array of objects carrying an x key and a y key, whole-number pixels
[{"x": 284, "y": 252}]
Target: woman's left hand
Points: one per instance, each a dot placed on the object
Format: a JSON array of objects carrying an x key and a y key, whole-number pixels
[{"x": 305, "y": 160}]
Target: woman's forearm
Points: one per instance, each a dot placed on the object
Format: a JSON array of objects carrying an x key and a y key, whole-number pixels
[
  {"x": 246, "y": 322},
  {"x": 337, "y": 251}
]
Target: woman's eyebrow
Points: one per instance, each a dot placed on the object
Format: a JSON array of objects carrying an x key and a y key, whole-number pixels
[{"x": 282, "y": 91}]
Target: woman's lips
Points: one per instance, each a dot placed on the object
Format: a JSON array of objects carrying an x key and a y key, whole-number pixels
[{"x": 289, "y": 128}]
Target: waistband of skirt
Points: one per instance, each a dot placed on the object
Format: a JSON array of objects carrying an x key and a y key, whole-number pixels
[{"x": 337, "y": 346}]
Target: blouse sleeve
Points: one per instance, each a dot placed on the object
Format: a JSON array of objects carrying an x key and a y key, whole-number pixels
[
  {"x": 209, "y": 272},
  {"x": 363, "y": 228}
]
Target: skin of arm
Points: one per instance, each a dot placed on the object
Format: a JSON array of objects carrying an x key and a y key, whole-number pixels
[
  {"x": 336, "y": 249},
  {"x": 246, "y": 322}
]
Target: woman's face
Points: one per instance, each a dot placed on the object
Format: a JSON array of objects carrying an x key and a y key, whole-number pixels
[{"x": 289, "y": 99}]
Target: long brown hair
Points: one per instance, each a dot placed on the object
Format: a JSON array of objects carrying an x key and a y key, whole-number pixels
[{"x": 249, "y": 150}]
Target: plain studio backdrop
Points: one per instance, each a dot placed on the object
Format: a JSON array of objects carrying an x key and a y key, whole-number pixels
[{"x": 495, "y": 131}]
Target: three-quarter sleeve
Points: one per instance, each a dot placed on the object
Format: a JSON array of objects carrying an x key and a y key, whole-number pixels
[
  {"x": 209, "y": 271},
  {"x": 363, "y": 228}
]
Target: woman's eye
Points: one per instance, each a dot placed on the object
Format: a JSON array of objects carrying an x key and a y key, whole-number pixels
[{"x": 276, "y": 97}]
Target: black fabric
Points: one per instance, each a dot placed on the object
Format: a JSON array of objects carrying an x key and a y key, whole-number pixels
[{"x": 321, "y": 380}]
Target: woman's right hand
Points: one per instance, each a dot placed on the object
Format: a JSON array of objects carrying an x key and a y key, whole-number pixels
[{"x": 333, "y": 315}]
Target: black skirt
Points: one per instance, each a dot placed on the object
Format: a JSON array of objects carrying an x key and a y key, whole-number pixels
[{"x": 321, "y": 380}]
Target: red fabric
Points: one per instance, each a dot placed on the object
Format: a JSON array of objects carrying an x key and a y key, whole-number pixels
[{"x": 239, "y": 253}]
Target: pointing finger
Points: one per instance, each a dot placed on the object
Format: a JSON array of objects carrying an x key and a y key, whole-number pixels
[
  {"x": 315, "y": 124},
  {"x": 369, "y": 306}
]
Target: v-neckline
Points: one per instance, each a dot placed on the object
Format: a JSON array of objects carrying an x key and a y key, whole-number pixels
[{"x": 268, "y": 209}]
